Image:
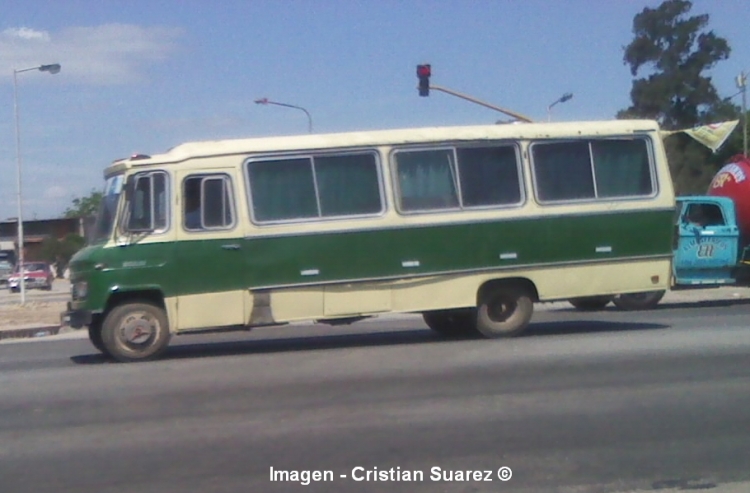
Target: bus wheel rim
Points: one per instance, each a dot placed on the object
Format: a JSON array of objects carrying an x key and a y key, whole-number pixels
[
  {"x": 501, "y": 308},
  {"x": 138, "y": 329}
]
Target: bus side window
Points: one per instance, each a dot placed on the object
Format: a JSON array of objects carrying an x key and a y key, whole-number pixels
[
  {"x": 147, "y": 207},
  {"x": 208, "y": 203},
  {"x": 217, "y": 202},
  {"x": 426, "y": 180}
]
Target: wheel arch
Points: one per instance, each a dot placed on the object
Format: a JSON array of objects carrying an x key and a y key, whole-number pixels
[
  {"x": 522, "y": 282},
  {"x": 152, "y": 296}
]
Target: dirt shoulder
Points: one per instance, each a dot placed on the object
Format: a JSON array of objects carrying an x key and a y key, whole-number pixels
[{"x": 32, "y": 313}]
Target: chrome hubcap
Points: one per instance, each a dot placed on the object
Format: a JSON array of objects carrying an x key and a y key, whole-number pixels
[{"x": 138, "y": 328}]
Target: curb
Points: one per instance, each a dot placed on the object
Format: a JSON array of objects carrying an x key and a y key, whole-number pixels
[{"x": 30, "y": 332}]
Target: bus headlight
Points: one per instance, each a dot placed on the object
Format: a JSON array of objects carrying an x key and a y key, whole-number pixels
[{"x": 80, "y": 290}]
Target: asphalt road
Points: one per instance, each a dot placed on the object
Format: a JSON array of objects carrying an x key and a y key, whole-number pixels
[{"x": 614, "y": 401}]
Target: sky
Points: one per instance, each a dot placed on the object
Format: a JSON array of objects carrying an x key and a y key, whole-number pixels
[{"x": 144, "y": 76}]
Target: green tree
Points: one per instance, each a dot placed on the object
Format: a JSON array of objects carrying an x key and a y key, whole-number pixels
[
  {"x": 675, "y": 51},
  {"x": 678, "y": 50},
  {"x": 84, "y": 206},
  {"x": 59, "y": 251}
]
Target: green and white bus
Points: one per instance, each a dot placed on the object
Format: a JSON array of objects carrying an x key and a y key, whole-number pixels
[{"x": 469, "y": 226}]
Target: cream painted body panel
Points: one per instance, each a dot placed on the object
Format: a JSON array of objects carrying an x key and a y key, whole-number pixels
[
  {"x": 200, "y": 311},
  {"x": 435, "y": 292},
  {"x": 356, "y": 298}
]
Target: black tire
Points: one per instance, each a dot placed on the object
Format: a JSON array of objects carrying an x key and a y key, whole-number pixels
[
  {"x": 639, "y": 301},
  {"x": 15, "y": 290},
  {"x": 452, "y": 323},
  {"x": 135, "y": 332},
  {"x": 590, "y": 303},
  {"x": 95, "y": 336},
  {"x": 504, "y": 311}
]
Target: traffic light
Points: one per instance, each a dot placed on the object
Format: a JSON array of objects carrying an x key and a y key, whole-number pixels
[{"x": 423, "y": 73}]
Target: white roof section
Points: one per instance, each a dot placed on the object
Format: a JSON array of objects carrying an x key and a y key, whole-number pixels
[{"x": 392, "y": 137}]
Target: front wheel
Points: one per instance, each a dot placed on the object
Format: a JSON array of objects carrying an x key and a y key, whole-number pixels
[
  {"x": 639, "y": 301},
  {"x": 504, "y": 311},
  {"x": 95, "y": 336},
  {"x": 135, "y": 332}
]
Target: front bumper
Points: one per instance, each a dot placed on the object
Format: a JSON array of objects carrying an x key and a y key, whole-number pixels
[{"x": 75, "y": 318}]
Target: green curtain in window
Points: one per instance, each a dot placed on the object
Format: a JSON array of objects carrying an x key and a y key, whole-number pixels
[
  {"x": 489, "y": 176},
  {"x": 426, "y": 180},
  {"x": 563, "y": 171},
  {"x": 622, "y": 168},
  {"x": 282, "y": 189},
  {"x": 348, "y": 184}
]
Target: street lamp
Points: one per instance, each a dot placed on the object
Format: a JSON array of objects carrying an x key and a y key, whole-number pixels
[
  {"x": 742, "y": 86},
  {"x": 266, "y": 101},
  {"x": 52, "y": 69},
  {"x": 565, "y": 97}
]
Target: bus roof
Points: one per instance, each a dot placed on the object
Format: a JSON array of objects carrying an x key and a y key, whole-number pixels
[{"x": 366, "y": 138}]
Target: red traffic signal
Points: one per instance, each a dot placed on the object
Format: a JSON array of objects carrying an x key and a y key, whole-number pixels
[{"x": 423, "y": 73}]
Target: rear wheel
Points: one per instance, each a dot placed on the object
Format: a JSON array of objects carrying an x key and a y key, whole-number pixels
[
  {"x": 639, "y": 301},
  {"x": 504, "y": 311},
  {"x": 452, "y": 323},
  {"x": 135, "y": 332},
  {"x": 590, "y": 303}
]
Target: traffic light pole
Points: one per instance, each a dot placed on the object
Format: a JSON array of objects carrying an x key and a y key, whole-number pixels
[{"x": 481, "y": 103}]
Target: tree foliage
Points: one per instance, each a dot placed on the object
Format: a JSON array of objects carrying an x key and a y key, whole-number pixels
[
  {"x": 59, "y": 252},
  {"x": 674, "y": 51},
  {"x": 84, "y": 206},
  {"x": 678, "y": 49}
]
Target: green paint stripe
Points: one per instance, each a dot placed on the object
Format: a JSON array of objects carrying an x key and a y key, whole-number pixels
[{"x": 194, "y": 267}]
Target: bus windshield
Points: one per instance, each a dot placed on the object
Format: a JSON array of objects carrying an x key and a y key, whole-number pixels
[{"x": 105, "y": 218}]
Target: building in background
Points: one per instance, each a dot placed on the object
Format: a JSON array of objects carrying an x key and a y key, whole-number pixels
[{"x": 36, "y": 231}]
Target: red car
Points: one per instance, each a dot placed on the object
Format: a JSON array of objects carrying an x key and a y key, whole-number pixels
[{"x": 37, "y": 275}]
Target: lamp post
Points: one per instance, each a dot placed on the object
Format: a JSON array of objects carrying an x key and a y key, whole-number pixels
[
  {"x": 742, "y": 86},
  {"x": 52, "y": 69},
  {"x": 266, "y": 101},
  {"x": 565, "y": 97}
]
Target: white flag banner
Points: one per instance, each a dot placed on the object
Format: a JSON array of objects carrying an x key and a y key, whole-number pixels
[{"x": 712, "y": 136}]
